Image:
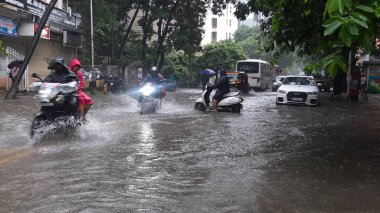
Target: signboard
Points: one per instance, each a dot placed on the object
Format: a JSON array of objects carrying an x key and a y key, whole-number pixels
[
  {"x": 45, "y": 34},
  {"x": 374, "y": 79},
  {"x": 37, "y": 7},
  {"x": 72, "y": 39},
  {"x": 8, "y": 26}
]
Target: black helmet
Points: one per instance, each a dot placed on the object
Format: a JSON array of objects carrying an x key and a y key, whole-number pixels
[{"x": 58, "y": 60}]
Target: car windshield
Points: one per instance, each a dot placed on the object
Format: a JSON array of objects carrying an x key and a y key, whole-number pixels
[
  {"x": 232, "y": 77},
  {"x": 280, "y": 79},
  {"x": 299, "y": 81}
]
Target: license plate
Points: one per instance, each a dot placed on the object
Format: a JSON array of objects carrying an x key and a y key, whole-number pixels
[
  {"x": 46, "y": 104},
  {"x": 296, "y": 99}
]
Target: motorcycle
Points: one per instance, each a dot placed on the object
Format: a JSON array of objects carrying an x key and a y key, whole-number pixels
[
  {"x": 113, "y": 83},
  {"x": 231, "y": 102},
  {"x": 150, "y": 98},
  {"x": 59, "y": 105}
]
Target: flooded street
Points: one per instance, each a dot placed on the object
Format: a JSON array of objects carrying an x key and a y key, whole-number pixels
[{"x": 267, "y": 159}]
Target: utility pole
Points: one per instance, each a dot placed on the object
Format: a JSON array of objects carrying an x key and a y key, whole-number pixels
[
  {"x": 92, "y": 38},
  {"x": 12, "y": 92}
]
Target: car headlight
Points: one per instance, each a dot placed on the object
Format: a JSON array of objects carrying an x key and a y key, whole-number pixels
[
  {"x": 281, "y": 91},
  {"x": 312, "y": 93}
]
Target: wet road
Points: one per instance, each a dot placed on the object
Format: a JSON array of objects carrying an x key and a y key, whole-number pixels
[{"x": 267, "y": 159}]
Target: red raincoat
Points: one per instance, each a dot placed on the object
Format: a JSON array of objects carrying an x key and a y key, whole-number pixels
[{"x": 83, "y": 98}]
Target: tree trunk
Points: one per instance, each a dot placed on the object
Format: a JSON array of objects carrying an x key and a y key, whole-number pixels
[
  {"x": 12, "y": 92},
  {"x": 125, "y": 38}
]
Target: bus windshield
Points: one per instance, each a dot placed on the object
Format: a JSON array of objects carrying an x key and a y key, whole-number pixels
[{"x": 248, "y": 67}]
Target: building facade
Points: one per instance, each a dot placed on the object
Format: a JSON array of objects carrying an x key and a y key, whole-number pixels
[
  {"x": 220, "y": 27},
  {"x": 223, "y": 27},
  {"x": 19, "y": 20}
]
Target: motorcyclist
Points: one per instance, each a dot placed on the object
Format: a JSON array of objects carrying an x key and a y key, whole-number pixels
[
  {"x": 59, "y": 72},
  {"x": 153, "y": 77},
  {"x": 84, "y": 101},
  {"x": 222, "y": 87},
  {"x": 156, "y": 79}
]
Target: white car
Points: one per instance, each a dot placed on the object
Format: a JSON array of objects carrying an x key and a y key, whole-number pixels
[{"x": 297, "y": 89}]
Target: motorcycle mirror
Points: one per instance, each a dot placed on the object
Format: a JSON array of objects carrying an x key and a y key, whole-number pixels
[{"x": 35, "y": 75}]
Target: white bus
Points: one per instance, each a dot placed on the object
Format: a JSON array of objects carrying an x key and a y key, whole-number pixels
[{"x": 260, "y": 73}]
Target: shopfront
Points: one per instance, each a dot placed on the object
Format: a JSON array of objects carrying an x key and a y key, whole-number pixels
[{"x": 19, "y": 20}]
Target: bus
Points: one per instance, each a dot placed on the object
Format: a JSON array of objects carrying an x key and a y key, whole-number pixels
[{"x": 260, "y": 73}]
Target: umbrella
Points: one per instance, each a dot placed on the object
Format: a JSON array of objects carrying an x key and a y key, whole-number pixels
[
  {"x": 14, "y": 63},
  {"x": 207, "y": 72}
]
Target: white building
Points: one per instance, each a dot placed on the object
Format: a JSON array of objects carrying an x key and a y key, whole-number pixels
[
  {"x": 218, "y": 28},
  {"x": 253, "y": 20}
]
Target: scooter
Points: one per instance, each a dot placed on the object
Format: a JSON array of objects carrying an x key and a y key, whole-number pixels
[
  {"x": 59, "y": 105},
  {"x": 231, "y": 102}
]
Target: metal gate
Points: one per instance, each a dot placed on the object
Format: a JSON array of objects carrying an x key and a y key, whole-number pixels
[{"x": 12, "y": 55}]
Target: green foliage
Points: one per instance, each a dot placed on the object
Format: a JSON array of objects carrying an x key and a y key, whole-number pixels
[
  {"x": 2, "y": 48},
  {"x": 323, "y": 29},
  {"x": 222, "y": 55},
  {"x": 178, "y": 64},
  {"x": 245, "y": 32}
]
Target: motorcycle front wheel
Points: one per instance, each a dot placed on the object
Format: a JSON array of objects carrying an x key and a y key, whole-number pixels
[{"x": 200, "y": 107}]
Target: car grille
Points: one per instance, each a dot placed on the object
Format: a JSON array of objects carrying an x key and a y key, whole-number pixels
[{"x": 297, "y": 96}]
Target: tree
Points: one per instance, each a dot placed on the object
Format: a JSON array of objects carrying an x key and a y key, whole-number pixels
[
  {"x": 244, "y": 32},
  {"x": 222, "y": 55},
  {"x": 2, "y": 49},
  {"x": 324, "y": 29},
  {"x": 177, "y": 63}
]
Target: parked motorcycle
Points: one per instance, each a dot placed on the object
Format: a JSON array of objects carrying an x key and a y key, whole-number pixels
[
  {"x": 231, "y": 102},
  {"x": 59, "y": 105},
  {"x": 150, "y": 98},
  {"x": 113, "y": 83}
]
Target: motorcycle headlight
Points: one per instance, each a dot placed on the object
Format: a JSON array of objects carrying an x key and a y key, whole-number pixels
[
  {"x": 68, "y": 87},
  {"x": 312, "y": 93},
  {"x": 47, "y": 92},
  {"x": 147, "y": 90},
  {"x": 281, "y": 91}
]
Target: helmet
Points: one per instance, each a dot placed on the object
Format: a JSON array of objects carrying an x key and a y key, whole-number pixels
[{"x": 153, "y": 69}]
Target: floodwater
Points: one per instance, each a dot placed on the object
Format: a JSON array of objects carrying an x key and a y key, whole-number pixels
[{"x": 267, "y": 159}]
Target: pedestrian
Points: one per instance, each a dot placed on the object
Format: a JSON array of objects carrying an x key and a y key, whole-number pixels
[
  {"x": 14, "y": 66},
  {"x": 84, "y": 101}
]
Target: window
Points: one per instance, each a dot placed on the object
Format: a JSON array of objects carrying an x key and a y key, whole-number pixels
[
  {"x": 248, "y": 67},
  {"x": 229, "y": 36},
  {"x": 214, "y": 22},
  {"x": 213, "y": 37},
  {"x": 230, "y": 23}
]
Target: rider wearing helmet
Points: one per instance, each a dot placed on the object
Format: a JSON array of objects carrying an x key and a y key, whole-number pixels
[
  {"x": 153, "y": 77},
  {"x": 59, "y": 71}
]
